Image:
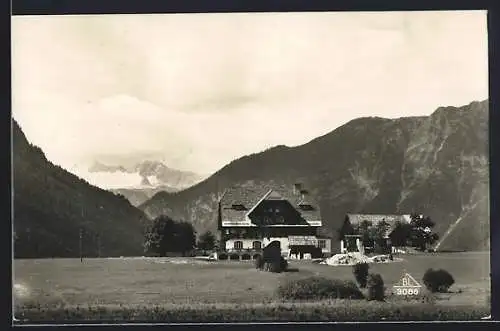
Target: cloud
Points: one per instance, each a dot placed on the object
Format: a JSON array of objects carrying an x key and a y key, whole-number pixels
[{"x": 204, "y": 89}]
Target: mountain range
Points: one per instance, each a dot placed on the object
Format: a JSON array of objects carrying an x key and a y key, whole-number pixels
[
  {"x": 435, "y": 165},
  {"x": 152, "y": 177},
  {"x": 52, "y": 207}
]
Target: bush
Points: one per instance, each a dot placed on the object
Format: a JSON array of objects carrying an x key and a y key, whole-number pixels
[
  {"x": 438, "y": 280},
  {"x": 272, "y": 259},
  {"x": 360, "y": 271},
  {"x": 317, "y": 288},
  {"x": 259, "y": 262},
  {"x": 376, "y": 289},
  {"x": 283, "y": 264}
]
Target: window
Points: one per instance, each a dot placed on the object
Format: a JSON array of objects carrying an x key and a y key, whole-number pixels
[
  {"x": 256, "y": 245},
  {"x": 238, "y": 206},
  {"x": 322, "y": 244},
  {"x": 238, "y": 245},
  {"x": 306, "y": 206}
]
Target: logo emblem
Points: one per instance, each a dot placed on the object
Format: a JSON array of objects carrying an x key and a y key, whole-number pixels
[{"x": 407, "y": 285}]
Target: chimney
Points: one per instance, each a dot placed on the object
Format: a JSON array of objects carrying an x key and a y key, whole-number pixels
[
  {"x": 297, "y": 187},
  {"x": 303, "y": 193}
]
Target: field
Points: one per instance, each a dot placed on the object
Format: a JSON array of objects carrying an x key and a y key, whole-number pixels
[{"x": 167, "y": 284}]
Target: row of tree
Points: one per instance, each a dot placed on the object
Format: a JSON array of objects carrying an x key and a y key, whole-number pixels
[
  {"x": 165, "y": 236},
  {"x": 418, "y": 233}
]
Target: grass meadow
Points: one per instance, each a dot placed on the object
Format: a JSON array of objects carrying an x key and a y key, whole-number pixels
[{"x": 186, "y": 289}]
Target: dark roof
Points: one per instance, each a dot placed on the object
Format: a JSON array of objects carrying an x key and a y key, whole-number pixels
[{"x": 250, "y": 195}]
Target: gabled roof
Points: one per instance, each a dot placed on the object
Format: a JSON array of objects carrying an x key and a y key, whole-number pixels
[{"x": 249, "y": 196}]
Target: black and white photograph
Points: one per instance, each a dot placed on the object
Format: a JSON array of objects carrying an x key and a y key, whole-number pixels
[{"x": 250, "y": 167}]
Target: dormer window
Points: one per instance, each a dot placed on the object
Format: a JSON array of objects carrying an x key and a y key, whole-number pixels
[
  {"x": 305, "y": 206},
  {"x": 238, "y": 206}
]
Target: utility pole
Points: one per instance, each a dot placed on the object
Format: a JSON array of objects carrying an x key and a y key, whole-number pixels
[
  {"x": 98, "y": 246},
  {"x": 81, "y": 232},
  {"x": 80, "y": 245}
]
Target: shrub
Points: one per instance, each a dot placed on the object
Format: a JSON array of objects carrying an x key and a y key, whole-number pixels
[
  {"x": 376, "y": 289},
  {"x": 360, "y": 271},
  {"x": 259, "y": 262},
  {"x": 273, "y": 261},
  {"x": 438, "y": 280},
  {"x": 316, "y": 288},
  {"x": 274, "y": 266},
  {"x": 283, "y": 264}
]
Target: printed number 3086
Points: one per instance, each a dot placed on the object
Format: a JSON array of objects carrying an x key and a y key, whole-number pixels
[{"x": 407, "y": 291}]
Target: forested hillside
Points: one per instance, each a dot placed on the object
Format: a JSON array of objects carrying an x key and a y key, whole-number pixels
[{"x": 51, "y": 206}]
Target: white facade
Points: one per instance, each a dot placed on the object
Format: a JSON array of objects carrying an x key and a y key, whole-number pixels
[
  {"x": 243, "y": 244},
  {"x": 325, "y": 245},
  {"x": 253, "y": 244}
]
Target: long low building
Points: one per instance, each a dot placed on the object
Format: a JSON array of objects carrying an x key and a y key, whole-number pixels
[{"x": 358, "y": 221}]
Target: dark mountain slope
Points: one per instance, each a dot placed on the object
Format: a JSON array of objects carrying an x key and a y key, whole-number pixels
[
  {"x": 138, "y": 196},
  {"x": 436, "y": 165},
  {"x": 51, "y": 205}
]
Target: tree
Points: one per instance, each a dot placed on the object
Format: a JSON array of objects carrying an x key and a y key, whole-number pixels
[
  {"x": 186, "y": 237},
  {"x": 377, "y": 236},
  {"x": 166, "y": 235},
  {"x": 364, "y": 231},
  {"x": 421, "y": 234},
  {"x": 360, "y": 271},
  {"x": 158, "y": 235},
  {"x": 345, "y": 229},
  {"x": 207, "y": 241},
  {"x": 401, "y": 234}
]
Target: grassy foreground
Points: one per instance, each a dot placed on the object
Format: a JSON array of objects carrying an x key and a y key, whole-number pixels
[
  {"x": 186, "y": 290},
  {"x": 340, "y": 311}
]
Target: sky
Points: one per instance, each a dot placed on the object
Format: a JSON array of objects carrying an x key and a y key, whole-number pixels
[{"x": 200, "y": 90}]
